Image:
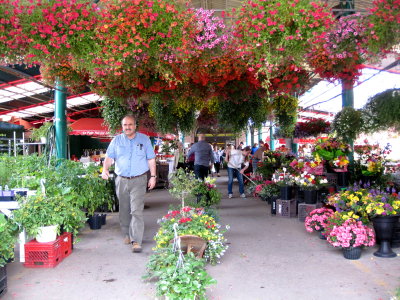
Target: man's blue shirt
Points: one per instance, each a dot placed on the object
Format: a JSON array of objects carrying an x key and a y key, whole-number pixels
[{"x": 131, "y": 155}]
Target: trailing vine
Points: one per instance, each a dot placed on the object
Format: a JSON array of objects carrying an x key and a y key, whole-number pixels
[
  {"x": 348, "y": 124},
  {"x": 382, "y": 111},
  {"x": 170, "y": 117},
  {"x": 285, "y": 110},
  {"x": 113, "y": 111}
]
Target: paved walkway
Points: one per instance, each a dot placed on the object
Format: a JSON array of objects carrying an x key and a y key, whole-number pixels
[{"x": 269, "y": 258}]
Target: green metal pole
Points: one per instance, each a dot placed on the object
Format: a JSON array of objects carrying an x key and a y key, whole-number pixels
[
  {"x": 348, "y": 101},
  {"x": 60, "y": 120},
  {"x": 271, "y": 136},
  {"x": 259, "y": 133}
]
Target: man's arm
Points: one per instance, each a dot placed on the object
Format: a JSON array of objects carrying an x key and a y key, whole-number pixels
[
  {"x": 108, "y": 161},
  {"x": 153, "y": 178}
]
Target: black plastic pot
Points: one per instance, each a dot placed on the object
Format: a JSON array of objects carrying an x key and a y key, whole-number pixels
[
  {"x": 286, "y": 192},
  {"x": 95, "y": 222},
  {"x": 103, "y": 219},
  {"x": 310, "y": 197}
]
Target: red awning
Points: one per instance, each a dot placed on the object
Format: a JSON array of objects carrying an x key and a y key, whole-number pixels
[{"x": 95, "y": 127}]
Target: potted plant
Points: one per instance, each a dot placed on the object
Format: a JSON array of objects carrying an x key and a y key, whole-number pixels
[
  {"x": 182, "y": 185},
  {"x": 193, "y": 221},
  {"x": 206, "y": 192},
  {"x": 351, "y": 235},
  {"x": 41, "y": 211},
  {"x": 310, "y": 183},
  {"x": 185, "y": 280},
  {"x": 40, "y": 134},
  {"x": 9, "y": 230},
  {"x": 317, "y": 220},
  {"x": 267, "y": 190},
  {"x": 285, "y": 181},
  {"x": 384, "y": 210}
]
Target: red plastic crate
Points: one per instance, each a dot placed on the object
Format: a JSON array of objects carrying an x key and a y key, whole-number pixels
[
  {"x": 43, "y": 255},
  {"x": 66, "y": 244}
]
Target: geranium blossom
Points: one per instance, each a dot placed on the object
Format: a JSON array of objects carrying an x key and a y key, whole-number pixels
[{"x": 317, "y": 219}]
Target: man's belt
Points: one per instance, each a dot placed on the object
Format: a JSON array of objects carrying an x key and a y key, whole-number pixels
[{"x": 131, "y": 177}]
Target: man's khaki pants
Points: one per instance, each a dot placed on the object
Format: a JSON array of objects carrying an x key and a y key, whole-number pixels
[{"x": 130, "y": 193}]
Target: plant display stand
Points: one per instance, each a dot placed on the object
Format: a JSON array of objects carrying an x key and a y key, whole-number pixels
[
  {"x": 305, "y": 209},
  {"x": 193, "y": 243},
  {"x": 66, "y": 244},
  {"x": 286, "y": 208},
  {"x": 3, "y": 280}
]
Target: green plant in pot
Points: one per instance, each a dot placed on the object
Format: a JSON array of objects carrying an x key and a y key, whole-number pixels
[
  {"x": 183, "y": 185},
  {"x": 39, "y": 211},
  {"x": 9, "y": 230},
  {"x": 207, "y": 193},
  {"x": 39, "y": 133}
]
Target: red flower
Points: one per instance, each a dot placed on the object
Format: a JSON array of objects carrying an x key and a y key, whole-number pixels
[{"x": 184, "y": 220}]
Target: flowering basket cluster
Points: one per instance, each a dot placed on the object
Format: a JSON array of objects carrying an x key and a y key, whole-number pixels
[
  {"x": 340, "y": 163},
  {"x": 330, "y": 148},
  {"x": 283, "y": 178},
  {"x": 206, "y": 192},
  {"x": 365, "y": 204},
  {"x": 317, "y": 219},
  {"x": 312, "y": 128},
  {"x": 306, "y": 181},
  {"x": 193, "y": 221},
  {"x": 371, "y": 159},
  {"x": 351, "y": 233},
  {"x": 340, "y": 53},
  {"x": 267, "y": 189}
]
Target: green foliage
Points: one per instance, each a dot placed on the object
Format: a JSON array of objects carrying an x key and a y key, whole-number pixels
[
  {"x": 207, "y": 193},
  {"x": 41, "y": 210},
  {"x": 236, "y": 111},
  {"x": 8, "y": 237},
  {"x": 348, "y": 124},
  {"x": 183, "y": 185},
  {"x": 40, "y": 132},
  {"x": 170, "y": 116},
  {"x": 382, "y": 111},
  {"x": 285, "y": 111},
  {"x": 185, "y": 282},
  {"x": 113, "y": 111}
]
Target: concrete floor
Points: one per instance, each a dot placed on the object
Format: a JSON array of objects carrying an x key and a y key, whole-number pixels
[{"x": 269, "y": 258}]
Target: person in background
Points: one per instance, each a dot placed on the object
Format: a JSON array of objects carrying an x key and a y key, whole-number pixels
[
  {"x": 203, "y": 157},
  {"x": 222, "y": 157},
  {"x": 259, "y": 155},
  {"x": 254, "y": 149},
  {"x": 235, "y": 159},
  {"x": 240, "y": 147},
  {"x": 134, "y": 156},
  {"x": 179, "y": 157},
  {"x": 217, "y": 159},
  {"x": 190, "y": 159}
]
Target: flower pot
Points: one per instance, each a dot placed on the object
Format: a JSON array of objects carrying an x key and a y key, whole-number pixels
[
  {"x": 103, "y": 219},
  {"x": 47, "y": 234},
  {"x": 310, "y": 196},
  {"x": 384, "y": 228},
  {"x": 286, "y": 192},
  {"x": 321, "y": 236},
  {"x": 95, "y": 222},
  {"x": 343, "y": 179},
  {"x": 352, "y": 253}
]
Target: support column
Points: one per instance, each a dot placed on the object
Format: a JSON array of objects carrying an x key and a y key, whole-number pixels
[
  {"x": 271, "y": 136},
  {"x": 60, "y": 120},
  {"x": 260, "y": 133},
  {"x": 348, "y": 101}
]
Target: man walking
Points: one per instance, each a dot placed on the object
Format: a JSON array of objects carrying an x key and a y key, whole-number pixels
[
  {"x": 133, "y": 155},
  {"x": 203, "y": 157}
]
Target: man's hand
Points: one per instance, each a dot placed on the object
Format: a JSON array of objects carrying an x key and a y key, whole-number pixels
[
  {"x": 105, "y": 174},
  {"x": 152, "y": 183}
]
